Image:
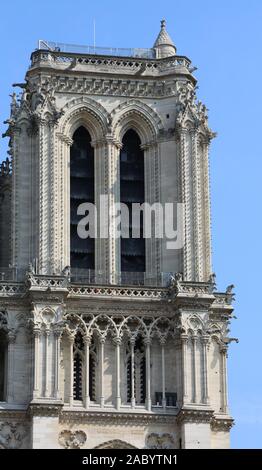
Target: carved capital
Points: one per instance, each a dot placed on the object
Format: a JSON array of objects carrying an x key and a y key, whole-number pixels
[{"x": 11, "y": 337}]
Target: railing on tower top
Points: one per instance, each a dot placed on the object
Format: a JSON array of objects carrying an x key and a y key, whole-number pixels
[
  {"x": 110, "y": 51},
  {"x": 124, "y": 278},
  {"x": 89, "y": 277}
]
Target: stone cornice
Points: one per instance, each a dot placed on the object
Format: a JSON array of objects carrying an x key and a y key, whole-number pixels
[
  {"x": 44, "y": 409},
  {"x": 194, "y": 415},
  {"x": 56, "y": 289},
  {"x": 111, "y": 418},
  {"x": 110, "y": 66},
  {"x": 13, "y": 415},
  {"x": 221, "y": 424}
]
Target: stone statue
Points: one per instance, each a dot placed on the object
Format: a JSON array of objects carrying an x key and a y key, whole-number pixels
[
  {"x": 66, "y": 271},
  {"x": 229, "y": 289}
]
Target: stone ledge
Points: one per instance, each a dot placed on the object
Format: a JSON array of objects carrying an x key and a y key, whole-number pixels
[{"x": 111, "y": 418}]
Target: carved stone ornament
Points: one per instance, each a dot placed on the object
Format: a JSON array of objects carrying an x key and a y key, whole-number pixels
[
  {"x": 11, "y": 435},
  {"x": 160, "y": 441},
  {"x": 115, "y": 444},
  {"x": 72, "y": 439}
]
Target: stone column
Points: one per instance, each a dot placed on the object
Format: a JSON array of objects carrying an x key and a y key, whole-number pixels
[
  {"x": 46, "y": 391},
  {"x": 184, "y": 341},
  {"x": 205, "y": 341},
  {"x": 197, "y": 207},
  {"x": 163, "y": 342},
  {"x": 87, "y": 341},
  {"x": 117, "y": 342},
  {"x": 102, "y": 398},
  {"x": 71, "y": 339},
  {"x": 37, "y": 335},
  {"x": 57, "y": 336},
  {"x": 152, "y": 196},
  {"x": 132, "y": 351},
  {"x": 186, "y": 198},
  {"x": 206, "y": 212},
  {"x": 114, "y": 249},
  {"x": 148, "y": 374},
  {"x": 10, "y": 381},
  {"x": 194, "y": 371},
  {"x": 64, "y": 145},
  {"x": 223, "y": 351},
  {"x": 101, "y": 203}
]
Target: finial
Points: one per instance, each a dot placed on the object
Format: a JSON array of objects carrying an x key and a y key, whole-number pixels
[{"x": 164, "y": 46}]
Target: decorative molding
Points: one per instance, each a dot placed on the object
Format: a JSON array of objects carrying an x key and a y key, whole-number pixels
[
  {"x": 45, "y": 409},
  {"x": 160, "y": 441},
  {"x": 194, "y": 416},
  {"x": 12, "y": 434},
  {"x": 72, "y": 439},
  {"x": 221, "y": 424},
  {"x": 111, "y": 418},
  {"x": 115, "y": 444}
]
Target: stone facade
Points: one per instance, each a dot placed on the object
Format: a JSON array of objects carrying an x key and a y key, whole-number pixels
[{"x": 155, "y": 355}]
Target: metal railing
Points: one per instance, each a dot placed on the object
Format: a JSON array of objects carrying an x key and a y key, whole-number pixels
[
  {"x": 12, "y": 273},
  {"x": 124, "y": 278},
  {"x": 91, "y": 277},
  {"x": 111, "y": 51}
]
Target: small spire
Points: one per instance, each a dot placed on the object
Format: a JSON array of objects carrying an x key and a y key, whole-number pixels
[{"x": 164, "y": 45}]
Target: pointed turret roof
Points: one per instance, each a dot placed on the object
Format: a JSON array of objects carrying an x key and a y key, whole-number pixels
[{"x": 164, "y": 45}]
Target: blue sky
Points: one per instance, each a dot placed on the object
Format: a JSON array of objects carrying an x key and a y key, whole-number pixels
[{"x": 223, "y": 39}]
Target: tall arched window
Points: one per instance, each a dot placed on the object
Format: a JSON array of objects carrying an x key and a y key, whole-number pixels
[
  {"x": 3, "y": 364},
  {"x": 139, "y": 379},
  {"x": 80, "y": 370},
  {"x": 79, "y": 361},
  {"x": 132, "y": 190},
  {"x": 81, "y": 190},
  {"x": 93, "y": 363}
]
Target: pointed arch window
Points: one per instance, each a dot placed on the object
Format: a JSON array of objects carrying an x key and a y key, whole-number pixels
[
  {"x": 139, "y": 371},
  {"x": 132, "y": 190},
  {"x": 78, "y": 366},
  {"x": 80, "y": 369},
  {"x": 93, "y": 363},
  {"x": 81, "y": 191}
]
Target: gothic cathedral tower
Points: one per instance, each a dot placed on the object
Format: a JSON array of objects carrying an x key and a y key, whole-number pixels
[{"x": 109, "y": 341}]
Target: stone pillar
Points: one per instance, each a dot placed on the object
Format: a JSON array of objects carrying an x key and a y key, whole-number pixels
[
  {"x": 205, "y": 341},
  {"x": 223, "y": 351},
  {"x": 101, "y": 203},
  {"x": 186, "y": 198},
  {"x": 194, "y": 369},
  {"x": 197, "y": 208},
  {"x": 37, "y": 335},
  {"x": 71, "y": 339},
  {"x": 148, "y": 374},
  {"x": 63, "y": 154},
  {"x": 10, "y": 381},
  {"x": 152, "y": 196},
  {"x": 163, "y": 341},
  {"x": 184, "y": 341},
  {"x": 195, "y": 429},
  {"x": 206, "y": 212},
  {"x": 117, "y": 342},
  {"x": 57, "y": 337},
  {"x": 132, "y": 352},
  {"x": 114, "y": 249},
  {"x": 46, "y": 391},
  {"x": 87, "y": 341},
  {"x": 102, "y": 398}
]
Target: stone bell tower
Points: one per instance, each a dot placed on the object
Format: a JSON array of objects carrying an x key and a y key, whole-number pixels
[{"x": 108, "y": 341}]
